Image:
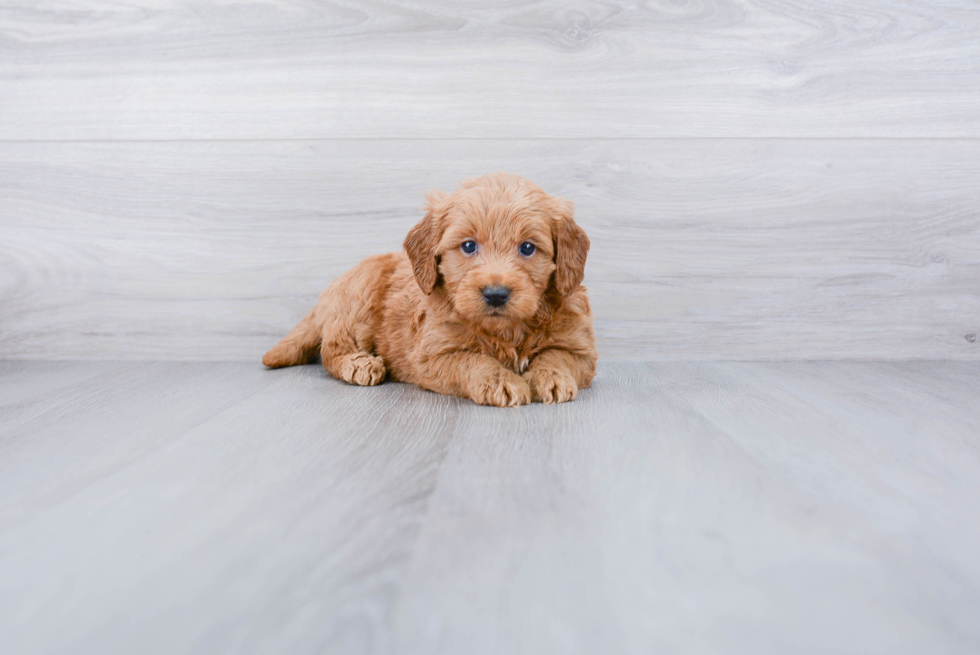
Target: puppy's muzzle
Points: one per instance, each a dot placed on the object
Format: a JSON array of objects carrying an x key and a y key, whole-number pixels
[{"x": 496, "y": 296}]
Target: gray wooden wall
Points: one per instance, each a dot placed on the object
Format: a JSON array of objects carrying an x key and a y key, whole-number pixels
[{"x": 761, "y": 179}]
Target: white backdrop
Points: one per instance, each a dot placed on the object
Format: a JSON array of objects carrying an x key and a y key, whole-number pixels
[{"x": 761, "y": 180}]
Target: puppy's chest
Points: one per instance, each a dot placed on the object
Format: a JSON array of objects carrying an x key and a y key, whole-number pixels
[{"x": 515, "y": 356}]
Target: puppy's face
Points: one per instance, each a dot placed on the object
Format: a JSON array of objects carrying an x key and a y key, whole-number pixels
[
  {"x": 496, "y": 256},
  {"x": 496, "y": 245}
]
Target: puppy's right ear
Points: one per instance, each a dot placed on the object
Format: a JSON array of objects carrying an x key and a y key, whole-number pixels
[{"x": 421, "y": 242}]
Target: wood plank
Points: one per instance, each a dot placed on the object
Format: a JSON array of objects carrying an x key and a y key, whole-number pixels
[
  {"x": 82, "y": 400},
  {"x": 213, "y": 508},
  {"x": 708, "y": 249},
  {"x": 805, "y": 507},
  {"x": 746, "y": 508},
  {"x": 28, "y": 389},
  {"x": 95, "y": 69}
]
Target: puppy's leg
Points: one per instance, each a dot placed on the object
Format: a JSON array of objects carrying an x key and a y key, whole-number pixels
[
  {"x": 556, "y": 375},
  {"x": 349, "y": 311},
  {"x": 346, "y": 351},
  {"x": 478, "y": 377},
  {"x": 358, "y": 367},
  {"x": 298, "y": 347},
  {"x": 337, "y": 339}
]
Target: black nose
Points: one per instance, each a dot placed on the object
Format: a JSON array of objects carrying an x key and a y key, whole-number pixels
[{"x": 496, "y": 296}]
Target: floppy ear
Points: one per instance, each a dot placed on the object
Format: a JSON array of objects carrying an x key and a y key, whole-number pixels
[
  {"x": 571, "y": 248},
  {"x": 421, "y": 242}
]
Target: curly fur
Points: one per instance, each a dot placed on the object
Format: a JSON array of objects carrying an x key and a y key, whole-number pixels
[{"x": 419, "y": 315}]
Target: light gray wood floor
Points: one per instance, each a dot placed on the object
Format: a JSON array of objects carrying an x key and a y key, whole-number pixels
[{"x": 674, "y": 508}]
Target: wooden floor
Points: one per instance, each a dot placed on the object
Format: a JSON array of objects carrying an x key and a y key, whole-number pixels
[{"x": 674, "y": 508}]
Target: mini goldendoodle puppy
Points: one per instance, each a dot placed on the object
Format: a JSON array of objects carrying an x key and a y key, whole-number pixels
[{"x": 485, "y": 302}]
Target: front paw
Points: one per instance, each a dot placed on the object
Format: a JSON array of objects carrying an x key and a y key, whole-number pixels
[
  {"x": 502, "y": 389},
  {"x": 551, "y": 386}
]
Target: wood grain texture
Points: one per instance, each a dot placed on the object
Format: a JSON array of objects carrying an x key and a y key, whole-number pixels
[
  {"x": 702, "y": 249},
  {"x": 167, "y": 489},
  {"x": 753, "y": 508},
  {"x": 142, "y": 69}
]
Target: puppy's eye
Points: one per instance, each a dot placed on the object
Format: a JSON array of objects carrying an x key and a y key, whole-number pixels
[
  {"x": 527, "y": 248},
  {"x": 469, "y": 247}
]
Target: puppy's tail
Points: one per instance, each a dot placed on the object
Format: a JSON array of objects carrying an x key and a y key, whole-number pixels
[{"x": 298, "y": 347}]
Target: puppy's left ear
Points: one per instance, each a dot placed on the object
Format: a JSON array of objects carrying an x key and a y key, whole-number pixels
[
  {"x": 421, "y": 242},
  {"x": 571, "y": 248}
]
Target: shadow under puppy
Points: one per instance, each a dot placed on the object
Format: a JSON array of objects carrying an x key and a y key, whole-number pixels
[{"x": 485, "y": 302}]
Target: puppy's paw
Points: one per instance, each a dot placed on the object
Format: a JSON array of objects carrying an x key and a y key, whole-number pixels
[
  {"x": 363, "y": 369},
  {"x": 502, "y": 389},
  {"x": 551, "y": 386}
]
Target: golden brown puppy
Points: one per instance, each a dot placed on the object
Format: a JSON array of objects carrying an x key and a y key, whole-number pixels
[{"x": 485, "y": 302}]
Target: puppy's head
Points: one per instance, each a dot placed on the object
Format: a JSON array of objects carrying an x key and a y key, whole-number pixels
[{"x": 497, "y": 245}]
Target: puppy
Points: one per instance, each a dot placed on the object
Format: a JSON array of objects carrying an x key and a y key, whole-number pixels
[{"x": 485, "y": 302}]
